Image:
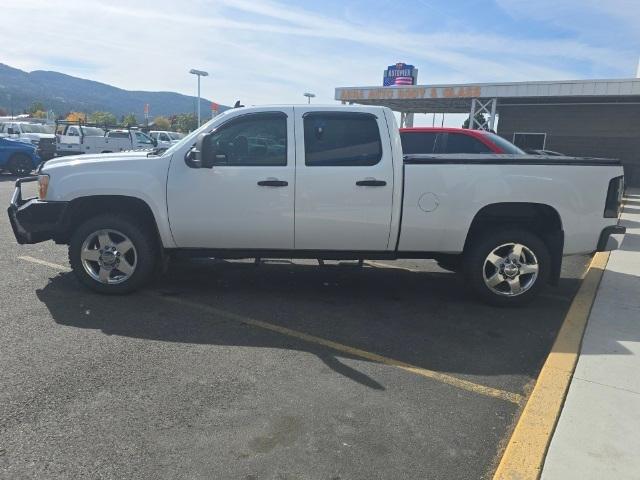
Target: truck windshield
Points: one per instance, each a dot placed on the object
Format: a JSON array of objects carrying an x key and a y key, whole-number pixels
[
  {"x": 505, "y": 145},
  {"x": 36, "y": 128},
  {"x": 207, "y": 127},
  {"x": 142, "y": 138}
]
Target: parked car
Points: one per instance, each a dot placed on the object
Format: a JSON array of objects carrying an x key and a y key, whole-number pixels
[
  {"x": 18, "y": 157},
  {"x": 164, "y": 138},
  {"x": 328, "y": 183},
  {"x": 454, "y": 140},
  {"x": 42, "y": 136},
  {"x": 75, "y": 139}
]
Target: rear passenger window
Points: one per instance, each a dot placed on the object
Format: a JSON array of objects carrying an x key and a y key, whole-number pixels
[
  {"x": 336, "y": 139},
  {"x": 460, "y": 143},
  {"x": 418, "y": 142}
]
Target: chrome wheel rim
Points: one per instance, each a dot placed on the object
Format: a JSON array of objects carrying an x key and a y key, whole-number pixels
[
  {"x": 109, "y": 256},
  {"x": 510, "y": 269}
]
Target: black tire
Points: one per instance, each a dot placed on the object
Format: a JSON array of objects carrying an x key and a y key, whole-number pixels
[
  {"x": 146, "y": 254},
  {"x": 20, "y": 164},
  {"x": 477, "y": 267}
]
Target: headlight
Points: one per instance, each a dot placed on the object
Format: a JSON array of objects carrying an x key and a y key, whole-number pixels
[{"x": 43, "y": 186}]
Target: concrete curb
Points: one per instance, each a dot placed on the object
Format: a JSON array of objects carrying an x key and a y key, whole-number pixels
[{"x": 525, "y": 453}]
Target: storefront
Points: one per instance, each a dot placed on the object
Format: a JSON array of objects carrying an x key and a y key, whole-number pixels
[{"x": 598, "y": 118}]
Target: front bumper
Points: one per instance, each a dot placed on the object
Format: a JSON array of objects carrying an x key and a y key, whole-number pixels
[
  {"x": 611, "y": 238},
  {"x": 35, "y": 220}
]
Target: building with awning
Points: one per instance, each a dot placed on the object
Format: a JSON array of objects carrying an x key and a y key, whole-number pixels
[{"x": 599, "y": 118}]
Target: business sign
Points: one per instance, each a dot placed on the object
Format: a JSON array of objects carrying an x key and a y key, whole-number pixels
[
  {"x": 413, "y": 93},
  {"x": 399, "y": 75}
]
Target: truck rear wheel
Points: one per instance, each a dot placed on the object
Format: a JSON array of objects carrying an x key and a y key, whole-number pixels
[
  {"x": 112, "y": 254},
  {"x": 508, "y": 267}
]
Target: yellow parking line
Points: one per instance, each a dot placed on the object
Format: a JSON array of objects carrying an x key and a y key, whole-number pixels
[
  {"x": 524, "y": 455},
  {"x": 356, "y": 352}
]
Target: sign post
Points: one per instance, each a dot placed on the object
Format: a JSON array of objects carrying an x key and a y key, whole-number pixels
[{"x": 401, "y": 75}]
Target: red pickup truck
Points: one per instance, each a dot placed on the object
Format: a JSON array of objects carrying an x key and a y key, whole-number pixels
[{"x": 454, "y": 140}]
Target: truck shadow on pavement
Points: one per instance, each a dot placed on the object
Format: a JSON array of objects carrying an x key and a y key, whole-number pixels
[{"x": 427, "y": 319}]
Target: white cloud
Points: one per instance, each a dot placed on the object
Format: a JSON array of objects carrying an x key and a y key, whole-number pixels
[{"x": 269, "y": 52}]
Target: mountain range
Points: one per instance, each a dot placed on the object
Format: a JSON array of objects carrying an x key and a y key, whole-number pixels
[{"x": 64, "y": 93}]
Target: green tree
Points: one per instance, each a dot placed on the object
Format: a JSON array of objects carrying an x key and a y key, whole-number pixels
[
  {"x": 186, "y": 122},
  {"x": 36, "y": 107},
  {"x": 162, "y": 123},
  {"x": 129, "y": 119},
  {"x": 479, "y": 120},
  {"x": 103, "y": 118}
]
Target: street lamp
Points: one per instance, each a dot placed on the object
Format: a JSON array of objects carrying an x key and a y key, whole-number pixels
[
  {"x": 309, "y": 96},
  {"x": 199, "y": 73}
]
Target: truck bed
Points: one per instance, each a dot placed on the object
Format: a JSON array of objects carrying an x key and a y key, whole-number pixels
[{"x": 505, "y": 159}]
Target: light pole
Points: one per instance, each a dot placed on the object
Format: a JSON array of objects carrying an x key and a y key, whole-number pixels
[
  {"x": 309, "y": 96},
  {"x": 199, "y": 73}
]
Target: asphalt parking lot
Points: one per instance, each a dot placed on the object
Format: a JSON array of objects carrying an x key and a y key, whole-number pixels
[{"x": 282, "y": 371}]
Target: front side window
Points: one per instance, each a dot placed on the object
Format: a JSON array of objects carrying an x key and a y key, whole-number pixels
[
  {"x": 460, "y": 143},
  {"x": 252, "y": 140},
  {"x": 336, "y": 139}
]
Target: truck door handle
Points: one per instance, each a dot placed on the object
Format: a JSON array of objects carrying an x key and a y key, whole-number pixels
[
  {"x": 371, "y": 182},
  {"x": 273, "y": 182}
]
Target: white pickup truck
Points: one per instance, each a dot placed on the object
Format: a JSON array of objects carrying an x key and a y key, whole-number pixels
[
  {"x": 76, "y": 139},
  {"x": 324, "y": 182},
  {"x": 37, "y": 134}
]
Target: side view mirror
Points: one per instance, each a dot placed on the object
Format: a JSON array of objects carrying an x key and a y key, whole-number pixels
[
  {"x": 204, "y": 154},
  {"x": 191, "y": 159}
]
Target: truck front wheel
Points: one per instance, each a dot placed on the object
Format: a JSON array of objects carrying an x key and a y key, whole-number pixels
[
  {"x": 112, "y": 254},
  {"x": 508, "y": 267}
]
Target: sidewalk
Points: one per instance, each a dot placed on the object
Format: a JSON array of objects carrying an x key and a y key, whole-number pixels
[{"x": 598, "y": 433}]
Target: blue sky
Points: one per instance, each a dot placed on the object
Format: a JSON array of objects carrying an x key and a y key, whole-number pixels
[{"x": 273, "y": 51}]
